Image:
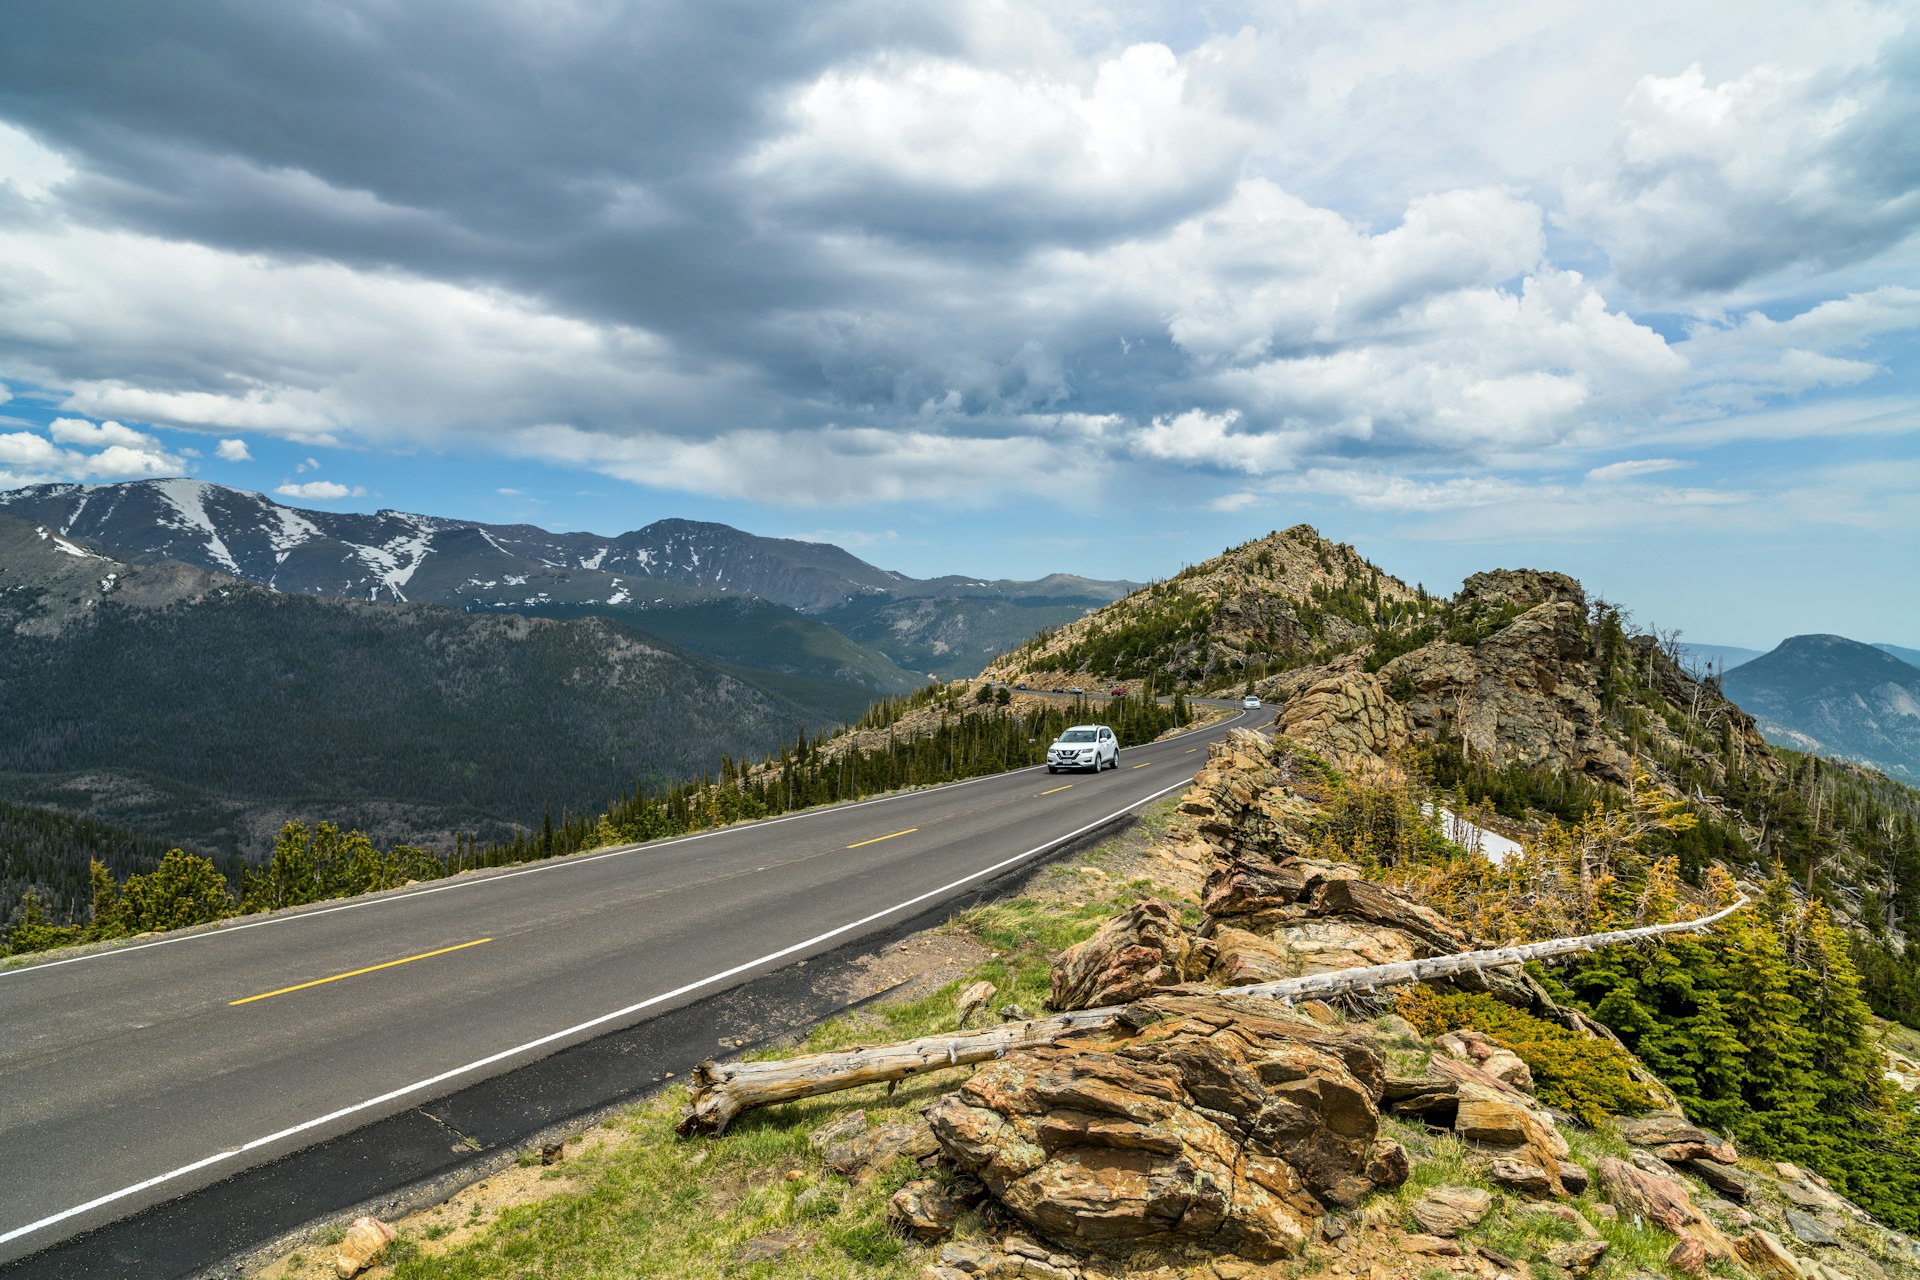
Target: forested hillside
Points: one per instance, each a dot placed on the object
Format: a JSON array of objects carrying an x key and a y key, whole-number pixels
[{"x": 205, "y": 712}]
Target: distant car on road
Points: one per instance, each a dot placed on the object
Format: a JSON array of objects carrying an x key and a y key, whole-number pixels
[
  {"x": 1119, "y": 693},
  {"x": 1076, "y": 691},
  {"x": 1250, "y": 702},
  {"x": 1057, "y": 689},
  {"x": 1020, "y": 687},
  {"x": 1084, "y": 746}
]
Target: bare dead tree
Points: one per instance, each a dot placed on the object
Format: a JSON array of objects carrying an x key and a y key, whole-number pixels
[{"x": 723, "y": 1091}]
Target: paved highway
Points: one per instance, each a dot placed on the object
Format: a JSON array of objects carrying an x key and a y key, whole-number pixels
[{"x": 133, "y": 1076}]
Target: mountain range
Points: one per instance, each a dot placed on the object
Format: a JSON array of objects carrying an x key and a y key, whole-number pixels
[
  {"x": 196, "y": 664},
  {"x": 682, "y": 580},
  {"x": 205, "y": 709}
]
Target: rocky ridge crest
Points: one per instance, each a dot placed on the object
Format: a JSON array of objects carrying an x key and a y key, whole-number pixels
[{"x": 1209, "y": 1125}]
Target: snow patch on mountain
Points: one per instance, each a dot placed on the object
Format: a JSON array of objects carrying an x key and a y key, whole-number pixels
[
  {"x": 188, "y": 498},
  {"x": 290, "y": 530}
]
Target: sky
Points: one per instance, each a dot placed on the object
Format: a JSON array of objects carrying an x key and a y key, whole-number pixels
[{"x": 980, "y": 286}]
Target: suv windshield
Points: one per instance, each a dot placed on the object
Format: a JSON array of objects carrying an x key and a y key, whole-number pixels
[{"x": 1077, "y": 735}]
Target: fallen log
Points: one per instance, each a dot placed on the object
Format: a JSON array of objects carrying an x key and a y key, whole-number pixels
[{"x": 722, "y": 1091}]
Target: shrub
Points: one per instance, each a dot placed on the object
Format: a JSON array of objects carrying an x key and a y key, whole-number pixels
[{"x": 1583, "y": 1075}]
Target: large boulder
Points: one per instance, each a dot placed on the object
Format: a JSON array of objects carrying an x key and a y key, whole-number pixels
[
  {"x": 1130, "y": 956},
  {"x": 1314, "y": 917},
  {"x": 1203, "y": 1119},
  {"x": 1491, "y": 1114}
]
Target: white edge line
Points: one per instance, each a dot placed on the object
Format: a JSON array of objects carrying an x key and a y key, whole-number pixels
[
  {"x": 462, "y": 881},
  {"x": 588, "y": 1025}
]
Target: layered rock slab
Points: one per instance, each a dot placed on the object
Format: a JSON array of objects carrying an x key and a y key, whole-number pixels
[{"x": 1217, "y": 1120}]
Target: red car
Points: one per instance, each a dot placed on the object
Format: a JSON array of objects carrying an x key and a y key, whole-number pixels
[{"x": 1119, "y": 693}]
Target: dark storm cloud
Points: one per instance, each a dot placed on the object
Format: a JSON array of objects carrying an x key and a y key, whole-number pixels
[{"x": 575, "y": 152}]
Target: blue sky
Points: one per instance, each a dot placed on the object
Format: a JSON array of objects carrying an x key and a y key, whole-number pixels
[{"x": 1005, "y": 289}]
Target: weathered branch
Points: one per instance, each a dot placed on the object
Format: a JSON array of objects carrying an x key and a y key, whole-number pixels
[{"x": 722, "y": 1091}]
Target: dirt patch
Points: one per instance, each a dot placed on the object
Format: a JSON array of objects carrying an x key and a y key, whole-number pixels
[{"x": 461, "y": 1217}]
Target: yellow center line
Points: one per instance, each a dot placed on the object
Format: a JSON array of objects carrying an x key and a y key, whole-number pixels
[
  {"x": 1143, "y": 766},
  {"x": 877, "y": 839},
  {"x": 1191, "y": 750},
  {"x": 318, "y": 982},
  {"x": 1068, "y": 787}
]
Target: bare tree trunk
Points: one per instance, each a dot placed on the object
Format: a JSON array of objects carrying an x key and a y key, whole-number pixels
[{"x": 723, "y": 1091}]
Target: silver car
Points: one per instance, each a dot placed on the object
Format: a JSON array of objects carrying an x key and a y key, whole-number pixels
[{"x": 1085, "y": 746}]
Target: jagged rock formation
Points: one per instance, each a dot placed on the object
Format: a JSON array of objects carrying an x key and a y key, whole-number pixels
[
  {"x": 1212, "y": 1120},
  {"x": 1349, "y": 717},
  {"x": 1526, "y": 693},
  {"x": 1522, "y": 682}
]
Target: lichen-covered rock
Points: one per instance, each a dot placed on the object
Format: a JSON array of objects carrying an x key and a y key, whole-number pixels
[
  {"x": 1349, "y": 717},
  {"x": 1722, "y": 1179},
  {"x": 869, "y": 1149},
  {"x": 1490, "y": 1113},
  {"x": 1128, "y": 957},
  {"x": 1766, "y": 1257},
  {"x": 1521, "y": 1175},
  {"x": 1666, "y": 1202},
  {"x": 1211, "y": 1119},
  {"x": 1578, "y": 1257},
  {"x": 1015, "y": 1258},
  {"x": 926, "y": 1210}
]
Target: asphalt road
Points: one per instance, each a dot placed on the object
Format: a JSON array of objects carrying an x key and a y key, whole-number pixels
[{"x": 131, "y": 1077}]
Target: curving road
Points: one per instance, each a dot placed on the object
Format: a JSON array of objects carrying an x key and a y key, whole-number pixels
[{"x": 133, "y": 1076}]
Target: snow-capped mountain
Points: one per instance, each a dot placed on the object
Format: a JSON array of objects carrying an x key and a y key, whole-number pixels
[{"x": 395, "y": 555}]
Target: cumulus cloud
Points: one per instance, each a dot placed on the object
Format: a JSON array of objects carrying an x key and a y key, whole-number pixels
[
  {"x": 99, "y": 434},
  {"x": 319, "y": 491},
  {"x": 943, "y": 147},
  {"x": 121, "y": 462},
  {"x": 25, "y": 450},
  {"x": 233, "y": 451},
  {"x": 1714, "y": 184},
  {"x": 128, "y": 455},
  {"x": 959, "y": 252}
]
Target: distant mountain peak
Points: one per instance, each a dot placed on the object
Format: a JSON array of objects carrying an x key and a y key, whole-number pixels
[{"x": 1838, "y": 696}]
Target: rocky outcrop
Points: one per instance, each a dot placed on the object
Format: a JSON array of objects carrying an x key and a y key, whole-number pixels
[
  {"x": 1348, "y": 717},
  {"x": 1665, "y": 1202},
  {"x": 1212, "y": 1120},
  {"x": 1519, "y": 589},
  {"x": 1496, "y": 1060},
  {"x": 1675, "y": 1140},
  {"x": 1525, "y": 694}
]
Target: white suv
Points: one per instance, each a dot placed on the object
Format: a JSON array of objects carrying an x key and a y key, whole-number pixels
[{"x": 1085, "y": 746}]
